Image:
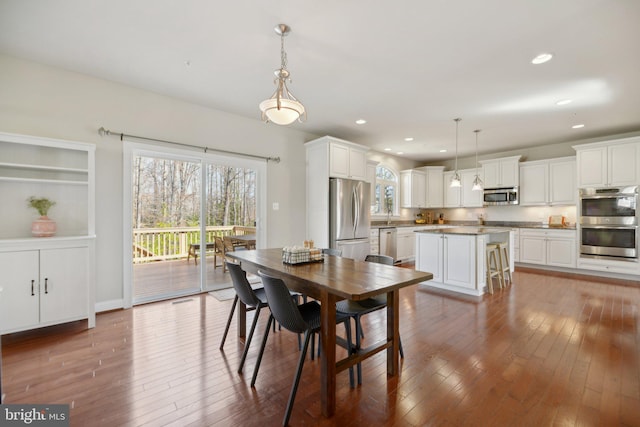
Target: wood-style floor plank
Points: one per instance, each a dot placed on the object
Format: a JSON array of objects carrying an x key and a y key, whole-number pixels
[{"x": 548, "y": 350}]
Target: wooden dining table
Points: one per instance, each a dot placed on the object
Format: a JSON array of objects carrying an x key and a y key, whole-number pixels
[{"x": 332, "y": 280}]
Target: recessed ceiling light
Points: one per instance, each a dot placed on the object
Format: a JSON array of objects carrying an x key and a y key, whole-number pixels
[
  {"x": 400, "y": 153},
  {"x": 542, "y": 58},
  {"x": 443, "y": 151},
  {"x": 564, "y": 102},
  {"x": 361, "y": 121},
  {"x": 408, "y": 139},
  {"x": 577, "y": 126},
  {"x": 387, "y": 149}
]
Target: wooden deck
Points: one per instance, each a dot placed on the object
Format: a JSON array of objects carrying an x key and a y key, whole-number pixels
[
  {"x": 548, "y": 350},
  {"x": 153, "y": 280}
]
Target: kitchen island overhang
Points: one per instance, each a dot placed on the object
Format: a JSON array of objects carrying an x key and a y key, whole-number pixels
[{"x": 457, "y": 256}]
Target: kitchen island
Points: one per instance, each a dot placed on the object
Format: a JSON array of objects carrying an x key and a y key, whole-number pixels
[{"x": 457, "y": 256}]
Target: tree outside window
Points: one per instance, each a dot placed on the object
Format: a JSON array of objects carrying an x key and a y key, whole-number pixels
[{"x": 386, "y": 192}]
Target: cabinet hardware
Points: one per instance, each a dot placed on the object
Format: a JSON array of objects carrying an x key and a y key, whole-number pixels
[
  {"x": 32, "y": 283},
  {"x": 46, "y": 285}
]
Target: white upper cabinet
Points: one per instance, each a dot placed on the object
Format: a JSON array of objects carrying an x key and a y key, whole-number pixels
[
  {"x": 435, "y": 194},
  {"x": 609, "y": 163},
  {"x": 371, "y": 177},
  {"x": 413, "y": 189},
  {"x": 347, "y": 160},
  {"x": 504, "y": 172},
  {"x": 548, "y": 182},
  {"x": 462, "y": 196}
]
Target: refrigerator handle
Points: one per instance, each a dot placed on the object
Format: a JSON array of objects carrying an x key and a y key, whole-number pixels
[{"x": 355, "y": 210}]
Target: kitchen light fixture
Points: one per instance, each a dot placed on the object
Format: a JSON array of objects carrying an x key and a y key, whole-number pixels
[
  {"x": 282, "y": 108},
  {"x": 361, "y": 121},
  {"x": 542, "y": 58},
  {"x": 455, "y": 179},
  {"x": 477, "y": 182},
  {"x": 408, "y": 139},
  {"x": 563, "y": 102},
  {"x": 577, "y": 126}
]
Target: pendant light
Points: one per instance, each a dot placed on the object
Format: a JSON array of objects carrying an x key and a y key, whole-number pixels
[
  {"x": 477, "y": 182},
  {"x": 455, "y": 179},
  {"x": 282, "y": 108}
]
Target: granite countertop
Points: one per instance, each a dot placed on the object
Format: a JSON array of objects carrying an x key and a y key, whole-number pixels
[
  {"x": 493, "y": 224},
  {"x": 470, "y": 231}
]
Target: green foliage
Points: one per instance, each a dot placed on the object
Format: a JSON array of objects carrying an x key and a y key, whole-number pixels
[{"x": 42, "y": 205}]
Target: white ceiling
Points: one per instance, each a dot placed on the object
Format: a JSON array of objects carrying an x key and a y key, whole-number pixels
[{"x": 407, "y": 67}]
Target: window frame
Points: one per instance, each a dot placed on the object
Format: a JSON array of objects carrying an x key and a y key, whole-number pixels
[{"x": 383, "y": 182}]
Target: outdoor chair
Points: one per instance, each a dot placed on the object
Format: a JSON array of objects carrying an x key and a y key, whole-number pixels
[{"x": 299, "y": 319}]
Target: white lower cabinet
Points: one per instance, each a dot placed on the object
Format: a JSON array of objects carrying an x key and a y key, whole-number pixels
[
  {"x": 548, "y": 247},
  {"x": 374, "y": 241},
  {"x": 43, "y": 287},
  {"x": 454, "y": 261},
  {"x": 406, "y": 243}
]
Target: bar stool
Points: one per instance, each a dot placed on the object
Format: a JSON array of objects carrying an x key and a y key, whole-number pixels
[
  {"x": 503, "y": 257},
  {"x": 493, "y": 266}
]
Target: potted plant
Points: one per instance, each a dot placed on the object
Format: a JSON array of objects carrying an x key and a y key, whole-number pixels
[{"x": 43, "y": 226}]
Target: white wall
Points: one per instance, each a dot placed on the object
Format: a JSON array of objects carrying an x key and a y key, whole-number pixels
[{"x": 45, "y": 101}]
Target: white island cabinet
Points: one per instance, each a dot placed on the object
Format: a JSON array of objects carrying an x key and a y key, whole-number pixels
[
  {"x": 50, "y": 280},
  {"x": 456, "y": 257}
]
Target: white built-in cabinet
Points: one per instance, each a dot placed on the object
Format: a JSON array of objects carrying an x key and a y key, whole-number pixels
[
  {"x": 413, "y": 189},
  {"x": 462, "y": 196},
  {"x": 503, "y": 172},
  {"x": 405, "y": 243},
  {"x": 610, "y": 163},
  {"x": 347, "y": 160},
  {"x": 371, "y": 178},
  {"x": 329, "y": 157},
  {"x": 548, "y": 182},
  {"x": 374, "y": 241},
  {"x": 434, "y": 186},
  {"x": 45, "y": 281},
  {"x": 548, "y": 247}
]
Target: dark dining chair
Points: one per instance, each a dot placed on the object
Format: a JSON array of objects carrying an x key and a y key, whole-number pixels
[
  {"x": 357, "y": 309},
  {"x": 300, "y": 319},
  {"x": 332, "y": 251},
  {"x": 254, "y": 299}
]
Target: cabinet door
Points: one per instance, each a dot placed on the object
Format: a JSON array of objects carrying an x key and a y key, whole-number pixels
[
  {"x": 533, "y": 249},
  {"x": 371, "y": 178},
  {"x": 338, "y": 161},
  {"x": 534, "y": 184},
  {"x": 561, "y": 252},
  {"x": 435, "y": 195},
  {"x": 562, "y": 179},
  {"x": 459, "y": 261},
  {"x": 509, "y": 173},
  {"x": 357, "y": 164},
  {"x": 622, "y": 164},
  {"x": 592, "y": 167},
  {"x": 470, "y": 198},
  {"x": 19, "y": 300},
  {"x": 63, "y": 284},
  {"x": 406, "y": 245},
  {"x": 491, "y": 173},
  {"x": 451, "y": 194},
  {"x": 429, "y": 253}
]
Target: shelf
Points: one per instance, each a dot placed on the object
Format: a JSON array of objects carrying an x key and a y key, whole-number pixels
[
  {"x": 43, "y": 181},
  {"x": 42, "y": 168}
]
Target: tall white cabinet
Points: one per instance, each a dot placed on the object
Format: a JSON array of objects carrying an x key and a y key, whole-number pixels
[
  {"x": 46, "y": 280},
  {"x": 329, "y": 157},
  {"x": 609, "y": 163}
]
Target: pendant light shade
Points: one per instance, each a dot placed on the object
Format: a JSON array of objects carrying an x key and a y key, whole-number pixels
[
  {"x": 455, "y": 179},
  {"x": 282, "y": 108},
  {"x": 478, "y": 185}
]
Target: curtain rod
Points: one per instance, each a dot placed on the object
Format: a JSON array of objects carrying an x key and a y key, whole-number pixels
[{"x": 102, "y": 131}]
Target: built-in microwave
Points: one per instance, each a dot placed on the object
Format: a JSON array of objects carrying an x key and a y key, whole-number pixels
[{"x": 501, "y": 196}]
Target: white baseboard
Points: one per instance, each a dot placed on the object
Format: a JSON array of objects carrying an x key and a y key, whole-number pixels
[{"x": 109, "y": 305}]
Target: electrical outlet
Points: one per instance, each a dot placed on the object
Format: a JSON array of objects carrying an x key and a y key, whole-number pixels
[{"x": 276, "y": 206}]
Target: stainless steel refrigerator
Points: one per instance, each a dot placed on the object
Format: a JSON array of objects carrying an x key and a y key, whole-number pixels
[{"x": 349, "y": 218}]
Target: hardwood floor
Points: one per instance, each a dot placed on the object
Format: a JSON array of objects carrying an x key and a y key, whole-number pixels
[{"x": 549, "y": 350}]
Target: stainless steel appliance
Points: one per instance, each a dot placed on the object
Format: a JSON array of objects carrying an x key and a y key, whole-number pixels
[
  {"x": 349, "y": 217},
  {"x": 501, "y": 196},
  {"x": 609, "y": 223},
  {"x": 388, "y": 239}
]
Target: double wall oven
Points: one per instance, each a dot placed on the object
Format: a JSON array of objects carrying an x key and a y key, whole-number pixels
[{"x": 609, "y": 223}]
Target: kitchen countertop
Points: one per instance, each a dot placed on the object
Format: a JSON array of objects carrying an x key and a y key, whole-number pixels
[
  {"x": 493, "y": 224},
  {"x": 470, "y": 231}
]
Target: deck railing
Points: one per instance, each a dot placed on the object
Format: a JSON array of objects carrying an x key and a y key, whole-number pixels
[{"x": 161, "y": 244}]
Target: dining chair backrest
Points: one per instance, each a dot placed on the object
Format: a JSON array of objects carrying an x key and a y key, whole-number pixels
[
  {"x": 241, "y": 285},
  {"x": 282, "y": 307},
  {"x": 332, "y": 251},
  {"x": 380, "y": 259}
]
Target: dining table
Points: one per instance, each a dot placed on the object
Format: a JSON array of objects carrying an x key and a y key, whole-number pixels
[{"x": 328, "y": 281}]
